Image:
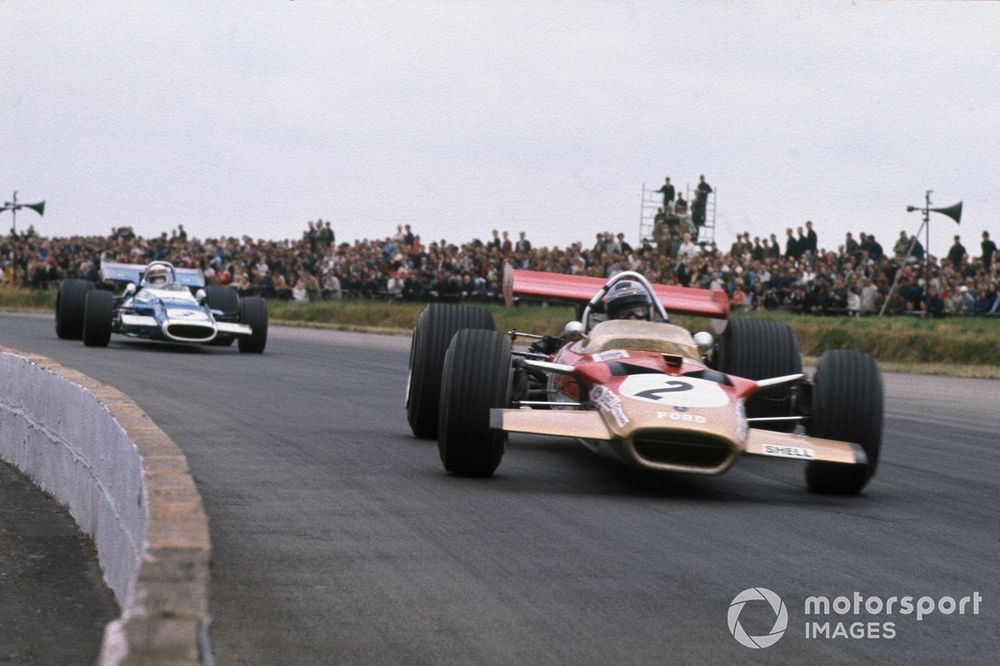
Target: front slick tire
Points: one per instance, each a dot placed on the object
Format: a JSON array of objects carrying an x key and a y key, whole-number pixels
[
  {"x": 98, "y": 311},
  {"x": 253, "y": 311},
  {"x": 847, "y": 406},
  {"x": 475, "y": 379}
]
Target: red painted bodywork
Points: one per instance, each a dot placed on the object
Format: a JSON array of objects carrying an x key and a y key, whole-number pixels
[
  {"x": 580, "y": 289},
  {"x": 593, "y": 373}
]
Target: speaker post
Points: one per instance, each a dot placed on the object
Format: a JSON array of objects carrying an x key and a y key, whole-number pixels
[
  {"x": 14, "y": 206},
  {"x": 927, "y": 244},
  {"x": 954, "y": 212}
]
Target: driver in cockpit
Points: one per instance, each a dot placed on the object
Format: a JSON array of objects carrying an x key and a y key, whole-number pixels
[
  {"x": 159, "y": 277},
  {"x": 628, "y": 300}
]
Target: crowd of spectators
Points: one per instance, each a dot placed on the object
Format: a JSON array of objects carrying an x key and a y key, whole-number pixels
[{"x": 856, "y": 278}]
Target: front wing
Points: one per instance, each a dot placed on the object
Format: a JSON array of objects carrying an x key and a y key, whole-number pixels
[
  {"x": 591, "y": 426},
  {"x": 149, "y": 327}
]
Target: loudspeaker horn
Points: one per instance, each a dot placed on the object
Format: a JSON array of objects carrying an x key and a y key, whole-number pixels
[
  {"x": 954, "y": 212},
  {"x": 37, "y": 207}
]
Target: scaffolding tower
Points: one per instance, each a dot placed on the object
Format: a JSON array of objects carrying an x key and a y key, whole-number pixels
[{"x": 652, "y": 201}]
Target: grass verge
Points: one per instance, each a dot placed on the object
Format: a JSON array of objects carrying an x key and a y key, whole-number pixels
[{"x": 27, "y": 300}]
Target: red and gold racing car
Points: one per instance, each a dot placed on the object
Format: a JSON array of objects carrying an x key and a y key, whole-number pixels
[{"x": 628, "y": 383}]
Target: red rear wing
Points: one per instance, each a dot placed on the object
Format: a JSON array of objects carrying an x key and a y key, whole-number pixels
[{"x": 580, "y": 289}]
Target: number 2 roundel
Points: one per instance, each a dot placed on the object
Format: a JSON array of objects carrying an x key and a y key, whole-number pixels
[{"x": 675, "y": 391}]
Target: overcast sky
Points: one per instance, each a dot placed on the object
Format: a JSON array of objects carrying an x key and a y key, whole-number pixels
[{"x": 461, "y": 117}]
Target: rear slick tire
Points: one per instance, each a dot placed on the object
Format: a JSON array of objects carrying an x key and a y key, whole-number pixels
[
  {"x": 71, "y": 300},
  {"x": 227, "y": 301},
  {"x": 437, "y": 325},
  {"x": 224, "y": 299},
  {"x": 758, "y": 349}
]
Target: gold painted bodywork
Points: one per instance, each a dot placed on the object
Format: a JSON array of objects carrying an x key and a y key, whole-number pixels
[
  {"x": 639, "y": 336},
  {"x": 827, "y": 450},
  {"x": 721, "y": 433}
]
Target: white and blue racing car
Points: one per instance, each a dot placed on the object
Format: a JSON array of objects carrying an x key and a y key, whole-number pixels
[{"x": 159, "y": 302}]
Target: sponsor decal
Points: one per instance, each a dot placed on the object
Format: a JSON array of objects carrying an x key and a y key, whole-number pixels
[
  {"x": 788, "y": 452},
  {"x": 676, "y": 391},
  {"x": 138, "y": 320},
  {"x": 607, "y": 401},
  {"x": 610, "y": 355},
  {"x": 603, "y": 397},
  {"x": 682, "y": 416},
  {"x": 742, "y": 426},
  {"x": 196, "y": 315},
  {"x": 620, "y": 418}
]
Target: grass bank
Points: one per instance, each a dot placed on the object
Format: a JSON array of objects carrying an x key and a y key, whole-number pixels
[
  {"x": 395, "y": 317},
  {"x": 965, "y": 340},
  {"x": 900, "y": 343},
  {"x": 27, "y": 300},
  {"x": 906, "y": 340}
]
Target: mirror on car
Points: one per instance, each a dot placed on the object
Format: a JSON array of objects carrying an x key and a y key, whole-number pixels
[
  {"x": 704, "y": 341},
  {"x": 130, "y": 289},
  {"x": 200, "y": 295},
  {"x": 573, "y": 331}
]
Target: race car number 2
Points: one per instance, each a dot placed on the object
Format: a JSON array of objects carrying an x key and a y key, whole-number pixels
[{"x": 679, "y": 392}]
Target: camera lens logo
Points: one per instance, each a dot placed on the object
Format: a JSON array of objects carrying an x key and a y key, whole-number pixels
[{"x": 780, "y": 620}]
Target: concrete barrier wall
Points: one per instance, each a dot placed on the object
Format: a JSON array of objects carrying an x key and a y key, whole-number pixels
[{"x": 128, "y": 486}]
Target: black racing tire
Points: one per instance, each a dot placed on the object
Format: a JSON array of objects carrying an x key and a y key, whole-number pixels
[
  {"x": 758, "y": 349},
  {"x": 98, "y": 311},
  {"x": 253, "y": 311},
  {"x": 70, "y": 303},
  {"x": 437, "y": 325},
  {"x": 847, "y": 405},
  {"x": 476, "y": 378},
  {"x": 223, "y": 298}
]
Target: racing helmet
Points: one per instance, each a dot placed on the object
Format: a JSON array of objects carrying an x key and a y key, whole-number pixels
[
  {"x": 628, "y": 300},
  {"x": 158, "y": 275}
]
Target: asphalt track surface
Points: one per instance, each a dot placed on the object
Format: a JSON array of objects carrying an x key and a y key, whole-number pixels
[
  {"x": 339, "y": 538},
  {"x": 53, "y": 604}
]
